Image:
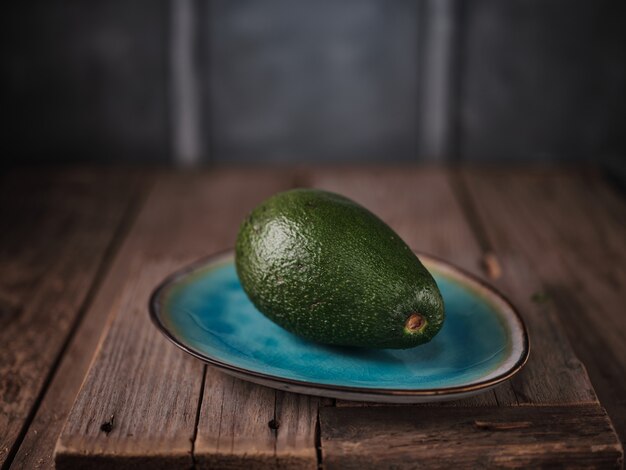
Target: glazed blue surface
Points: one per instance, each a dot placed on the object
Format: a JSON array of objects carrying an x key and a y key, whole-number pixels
[{"x": 209, "y": 312}]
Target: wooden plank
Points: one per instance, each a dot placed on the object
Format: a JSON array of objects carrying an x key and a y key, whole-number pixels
[
  {"x": 509, "y": 437},
  {"x": 37, "y": 448},
  {"x": 553, "y": 374},
  {"x": 137, "y": 404},
  {"x": 234, "y": 427},
  {"x": 58, "y": 228},
  {"x": 245, "y": 424},
  {"x": 167, "y": 225},
  {"x": 175, "y": 225},
  {"x": 186, "y": 216},
  {"x": 421, "y": 206},
  {"x": 295, "y": 422},
  {"x": 577, "y": 251}
]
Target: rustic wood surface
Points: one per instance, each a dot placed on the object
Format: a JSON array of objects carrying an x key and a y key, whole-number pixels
[
  {"x": 59, "y": 230},
  {"x": 89, "y": 246},
  {"x": 437, "y": 225},
  {"x": 574, "y": 237},
  {"x": 469, "y": 437}
]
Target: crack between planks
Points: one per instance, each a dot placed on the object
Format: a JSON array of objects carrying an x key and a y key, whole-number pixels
[
  {"x": 113, "y": 247},
  {"x": 489, "y": 263},
  {"x": 468, "y": 207},
  {"x": 318, "y": 440},
  {"x": 274, "y": 425},
  {"x": 197, "y": 418}
]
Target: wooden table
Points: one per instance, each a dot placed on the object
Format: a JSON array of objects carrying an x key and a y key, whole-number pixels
[{"x": 86, "y": 381}]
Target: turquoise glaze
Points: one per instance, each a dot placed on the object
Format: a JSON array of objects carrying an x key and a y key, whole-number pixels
[{"x": 206, "y": 312}]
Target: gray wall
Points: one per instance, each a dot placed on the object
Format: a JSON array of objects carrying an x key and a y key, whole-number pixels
[
  {"x": 85, "y": 80},
  {"x": 316, "y": 81},
  {"x": 543, "y": 80}
]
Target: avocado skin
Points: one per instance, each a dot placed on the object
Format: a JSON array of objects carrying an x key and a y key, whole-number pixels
[{"x": 327, "y": 269}]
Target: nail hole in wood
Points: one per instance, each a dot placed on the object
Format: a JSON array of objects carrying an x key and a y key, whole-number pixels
[
  {"x": 107, "y": 426},
  {"x": 274, "y": 424}
]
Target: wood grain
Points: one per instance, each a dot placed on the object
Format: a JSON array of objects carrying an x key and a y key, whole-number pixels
[
  {"x": 144, "y": 403},
  {"x": 177, "y": 225},
  {"x": 234, "y": 427},
  {"x": 550, "y": 348},
  {"x": 138, "y": 402},
  {"x": 245, "y": 424},
  {"x": 570, "y": 226},
  {"x": 37, "y": 448},
  {"x": 478, "y": 437},
  {"x": 186, "y": 216},
  {"x": 295, "y": 422},
  {"x": 57, "y": 229}
]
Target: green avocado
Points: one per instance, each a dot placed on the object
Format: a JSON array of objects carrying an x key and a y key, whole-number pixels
[{"x": 325, "y": 268}]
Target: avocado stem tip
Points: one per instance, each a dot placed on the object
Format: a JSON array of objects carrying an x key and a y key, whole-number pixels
[{"x": 415, "y": 323}]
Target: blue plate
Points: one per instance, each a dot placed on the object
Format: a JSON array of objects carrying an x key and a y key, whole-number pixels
[{"x": 483, "y": 342}]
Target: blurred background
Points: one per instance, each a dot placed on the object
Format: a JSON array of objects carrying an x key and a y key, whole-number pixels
[{"x": 193, "y": 82}]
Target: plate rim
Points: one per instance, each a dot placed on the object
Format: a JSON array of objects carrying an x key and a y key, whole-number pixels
[{"x": 154, "y": 308}]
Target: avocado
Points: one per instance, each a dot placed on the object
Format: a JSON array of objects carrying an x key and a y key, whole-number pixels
[{"x": 325, "y": 268}]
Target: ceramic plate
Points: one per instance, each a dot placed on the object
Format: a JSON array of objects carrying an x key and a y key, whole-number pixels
[{"x": 483, "y": 342}]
